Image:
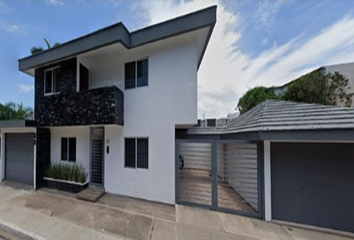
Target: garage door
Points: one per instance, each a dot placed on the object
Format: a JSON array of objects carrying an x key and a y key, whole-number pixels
[
  {"x": 19, "y": 157},
  {"x": 313, "y": 183}
]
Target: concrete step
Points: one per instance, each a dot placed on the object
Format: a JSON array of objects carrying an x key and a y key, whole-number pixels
[{"x": 91, "y": 194}]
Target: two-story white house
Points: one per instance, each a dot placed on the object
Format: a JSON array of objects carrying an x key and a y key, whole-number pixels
[{"x": 111, "y": 101}]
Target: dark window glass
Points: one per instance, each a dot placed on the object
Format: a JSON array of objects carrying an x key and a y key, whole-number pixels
[
  {"x": 48, "y": 82},
  {"x": 64, "y": 149},
  {"x": 143, "y": 153},
  {"x": 130, "y": 75},
  {"x": 130, "y": 152},
  {"x": 211, "y": 122},
  {"x": 72, "y": 149},
  {"x": 84, "y": 78},
  {"x": 142, "y": 73},
  {"x": 56, "y": 80}
]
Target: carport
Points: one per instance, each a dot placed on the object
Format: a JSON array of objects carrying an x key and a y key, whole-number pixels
[
  {"x": 18, "y": 155},
  {"x": 306, "y": 160}
]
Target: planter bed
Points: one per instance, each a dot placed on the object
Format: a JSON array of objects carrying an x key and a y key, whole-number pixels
[{"x": 64, "y": 185}]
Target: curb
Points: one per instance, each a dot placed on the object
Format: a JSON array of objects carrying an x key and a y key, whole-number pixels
[{"x": 19, "y": 232}]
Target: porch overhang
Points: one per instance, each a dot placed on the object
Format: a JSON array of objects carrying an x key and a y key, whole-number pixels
[
  {"x": 17, "y": 124},
  {"x": 118, "y": 33}
]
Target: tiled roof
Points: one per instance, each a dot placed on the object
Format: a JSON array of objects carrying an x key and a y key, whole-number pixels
[{"x": 274, "y": 115}]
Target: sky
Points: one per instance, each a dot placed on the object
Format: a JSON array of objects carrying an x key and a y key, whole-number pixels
[{"x": 254, "y": 43}]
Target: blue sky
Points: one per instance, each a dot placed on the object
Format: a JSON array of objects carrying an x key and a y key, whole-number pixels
[{"x": 255, "y": 42}]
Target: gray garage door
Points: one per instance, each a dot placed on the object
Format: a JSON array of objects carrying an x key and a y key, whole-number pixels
[
  {"x": 313, "y": 183},
  {"x": 19, "y": 157}
]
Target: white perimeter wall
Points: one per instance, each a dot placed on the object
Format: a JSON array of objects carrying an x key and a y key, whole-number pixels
[
  {"x": 82, "y": 135},
  {"x": 152, "y": 111}
]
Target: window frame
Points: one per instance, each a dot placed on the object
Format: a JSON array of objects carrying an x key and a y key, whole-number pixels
[
  {"x": 68, "y": 149},
  {"x": 52, "y": 82},
  {"x": 136, "y": 73},
  {"x": 136, "y": 154}
]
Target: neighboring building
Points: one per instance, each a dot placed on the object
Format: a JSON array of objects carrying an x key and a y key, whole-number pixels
[
  {"x": 346, "y": 69},
  {"x": 279, "y": 161},
  {"x": 110, "y": 101}
]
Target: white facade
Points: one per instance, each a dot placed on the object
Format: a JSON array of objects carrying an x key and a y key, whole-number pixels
[{"x": 152, "y": 112}]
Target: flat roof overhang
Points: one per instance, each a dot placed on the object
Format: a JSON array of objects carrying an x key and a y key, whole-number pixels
[
  {"x": 17, "y": 124},
  {"x": 316, "y": 135},
  {"x": 118, "y": 33}
]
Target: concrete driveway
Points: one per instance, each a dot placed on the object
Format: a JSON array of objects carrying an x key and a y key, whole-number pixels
[{"x": 54, "y": 216}]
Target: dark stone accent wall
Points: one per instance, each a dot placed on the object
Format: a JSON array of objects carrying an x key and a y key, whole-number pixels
[
  {"x": 62, "y": 186},
  {"x": 71, "y": 108},
  {"x": 42, "y": 154}
]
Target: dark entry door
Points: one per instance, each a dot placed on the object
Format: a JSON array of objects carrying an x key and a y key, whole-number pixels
[
  {"x": 19, "y": 157},
  {"x": 97, "y": 163},
  {"x": 313, "y": 183}
]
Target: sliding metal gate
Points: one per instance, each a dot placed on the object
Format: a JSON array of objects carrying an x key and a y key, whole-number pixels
[{"x": 220, "y": 175}]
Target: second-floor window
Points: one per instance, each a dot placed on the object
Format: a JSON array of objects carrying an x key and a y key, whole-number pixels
[
  {"x": 136, "y": 74},
  {"x": 52, "y": 80}
]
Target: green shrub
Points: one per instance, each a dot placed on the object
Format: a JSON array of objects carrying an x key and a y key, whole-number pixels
[
  {"x": 253, "y": 97},
  {"x": 68, "y": 172}
]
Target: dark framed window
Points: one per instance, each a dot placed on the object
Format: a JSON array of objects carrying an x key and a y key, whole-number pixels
[
  {"x": 137, "y": 74},
  {"x": 130, "y": 150},
  {"x": 137, "y": 153},
  {"x": 52, "y": 79},
  {"x": 142, "y": 73},
  {"x": 68, "y": 149},
  {"x": 130, "y": 75}
]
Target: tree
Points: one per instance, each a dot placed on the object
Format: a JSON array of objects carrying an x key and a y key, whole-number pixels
[
  {"x": 11, "y": 111},
  {"x": 35, "y": 50},
  {"x": 315, "y": 87},
  {"x": 318, "y": 87},
  {"x": 253, "y": 97}
]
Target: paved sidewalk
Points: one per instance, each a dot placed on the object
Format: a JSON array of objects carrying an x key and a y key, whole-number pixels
[{"x": 43, "y": 215}]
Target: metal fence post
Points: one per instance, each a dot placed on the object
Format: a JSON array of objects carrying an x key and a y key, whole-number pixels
[{"x": 214, "y": 174}]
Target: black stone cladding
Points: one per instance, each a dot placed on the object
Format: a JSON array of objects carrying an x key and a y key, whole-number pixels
[
  {"x": 71, "y": 108},
  {"x": 42, "y": 154}
]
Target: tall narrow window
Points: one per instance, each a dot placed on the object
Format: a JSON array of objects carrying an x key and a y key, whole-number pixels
[
  {"x": 130, "y": 152},
  {"x": 64, "y": 149},
  {"x": 52, "y": 79},
  {"x": 142, "y": 73},
  {"x": 130, "y": 75},
  {"x": 68, "y": 149},
  {"x": 137, "y": 74},
  {"x": 143, "y": 153},
  {"x": 84, "y": 78},
  {"x": 137, "y": 153}
]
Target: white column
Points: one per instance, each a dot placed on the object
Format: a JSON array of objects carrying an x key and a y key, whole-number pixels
[{"x": 267, "y": 182}]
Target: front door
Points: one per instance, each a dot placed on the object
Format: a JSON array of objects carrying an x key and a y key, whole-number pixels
[{"x": 97, "y": 163}]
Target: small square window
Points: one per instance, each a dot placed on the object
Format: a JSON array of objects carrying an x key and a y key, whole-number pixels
[
  {"x": 137, "y": 153},
  {"x": 136, "y": 74}
]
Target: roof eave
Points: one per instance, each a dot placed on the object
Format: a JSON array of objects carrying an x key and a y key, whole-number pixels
[{"x": 118, "y": 33}]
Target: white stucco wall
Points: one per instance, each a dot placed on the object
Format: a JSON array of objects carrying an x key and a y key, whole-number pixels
[
  {"x": 153, "y": 112},
  {"x": 82, "y": 135}
]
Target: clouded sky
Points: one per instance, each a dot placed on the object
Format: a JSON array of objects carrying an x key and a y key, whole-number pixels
[{"x": 255, "y": 42}]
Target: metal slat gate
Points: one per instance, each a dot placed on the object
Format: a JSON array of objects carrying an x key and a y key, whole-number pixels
[
  {"x": 220, "y": 175},
  {"x": 97, "y": 156}
]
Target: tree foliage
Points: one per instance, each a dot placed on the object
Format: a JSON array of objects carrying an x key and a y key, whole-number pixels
[
  {"x": 315, "y": 87},
  {"x": 35, "y": 50},
  {"x": 253, "y": 97},
  {"x": 11, "y": 111},
  {"x": 320, "y": 88}
]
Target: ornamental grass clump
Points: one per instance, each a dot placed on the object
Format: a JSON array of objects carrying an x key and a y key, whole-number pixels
[{"x": 68, "y": 172}]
